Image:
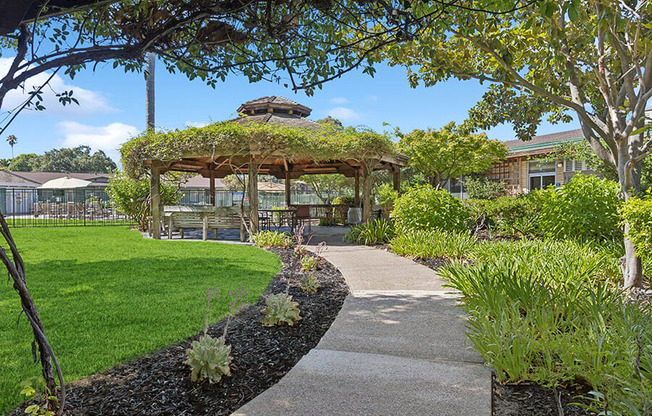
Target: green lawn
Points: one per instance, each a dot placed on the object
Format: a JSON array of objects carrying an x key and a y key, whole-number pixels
[{"x": 106, "y": 295}]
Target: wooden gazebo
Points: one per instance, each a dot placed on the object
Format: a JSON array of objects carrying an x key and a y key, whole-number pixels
[{"x": 277, "y": 140}]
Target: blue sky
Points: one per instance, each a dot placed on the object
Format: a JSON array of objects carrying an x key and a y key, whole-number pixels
[{"x": 112, "y": 106}]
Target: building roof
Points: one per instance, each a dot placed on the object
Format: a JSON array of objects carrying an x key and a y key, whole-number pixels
[
  {"x": 199, "y": 181},
  {"x": 542, "y": 144},
  {"x": 98, "y": 179},
  {"x": 11, "y": 179}
]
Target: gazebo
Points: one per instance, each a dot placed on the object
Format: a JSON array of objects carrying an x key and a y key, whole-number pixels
[{"x": 272, "y": 137}]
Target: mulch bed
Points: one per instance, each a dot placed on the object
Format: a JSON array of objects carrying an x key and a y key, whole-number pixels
[
  {"x": 527, "y": 398},
  {"x": 159, "y": 383},
  {"x": 531, "y": 399}
]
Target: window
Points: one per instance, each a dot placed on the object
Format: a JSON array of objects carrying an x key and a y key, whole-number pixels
[
  {"x": 541, "y": 174},
  {"x": 574, "y": 165}
]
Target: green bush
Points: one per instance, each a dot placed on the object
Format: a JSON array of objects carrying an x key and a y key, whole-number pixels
[
  {"x": 424, "y": 208},
  {"x": 266, "y": 238},
  {"x": 131, "y": 196},
  {"x": 310, "y": 284},
  {"x": 386, "y": 196},
  {"x": 539, "y": 311},
  {"x": 585, "y": 208},
  {"x": 484, "y": 188},
  {"x": 433, "y": 244},
  {"x": 507, "y": 215},
  {"x": 343, "y": 200},
  {"x": 637, "y": 212},
  {"x": 378, "y": 231}
]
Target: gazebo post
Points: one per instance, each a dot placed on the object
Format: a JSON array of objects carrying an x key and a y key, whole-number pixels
[
  {"x": 397, "y": 178},
  {"x": 155, "y": 201},
  {"x": 366, "y": 195},
  {"x": 253, "y": 195},
  {"x": 211, "y": 186},
  {"x": 288, "y": 195},
  {"x": 356, "y": 195}
]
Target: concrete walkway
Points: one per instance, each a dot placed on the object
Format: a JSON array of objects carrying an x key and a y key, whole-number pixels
[{"x": 397, "y": 347}]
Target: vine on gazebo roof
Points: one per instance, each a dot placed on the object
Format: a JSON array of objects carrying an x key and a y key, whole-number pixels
[{"x": 229, "y": 139}]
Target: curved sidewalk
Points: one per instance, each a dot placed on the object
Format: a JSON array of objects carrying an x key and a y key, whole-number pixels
[{"x": 397, "y": 347}]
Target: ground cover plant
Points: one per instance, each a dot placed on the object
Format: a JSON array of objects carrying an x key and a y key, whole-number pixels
[{"x": 106, "y": 296}]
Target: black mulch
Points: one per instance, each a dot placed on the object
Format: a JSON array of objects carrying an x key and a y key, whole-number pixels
[
  {"x": 526, "y": 398},
  {"x": 159, "y": 384},
  {"x": 531, "y": 399}
]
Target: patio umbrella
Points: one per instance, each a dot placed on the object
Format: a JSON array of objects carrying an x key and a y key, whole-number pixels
[{"x": 65, "y": 183}]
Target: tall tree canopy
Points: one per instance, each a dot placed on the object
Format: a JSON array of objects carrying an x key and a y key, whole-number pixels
[
  {"x": 554, "y": 58},
  {"x": 450, "y": 153},
  {"x": 77, "y": 159}
]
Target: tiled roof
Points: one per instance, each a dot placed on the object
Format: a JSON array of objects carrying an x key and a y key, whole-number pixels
[
  {"x": 199, "y": 181},
  {"x": 546, "y": 141},
  {"x": 273, "y": 99}
]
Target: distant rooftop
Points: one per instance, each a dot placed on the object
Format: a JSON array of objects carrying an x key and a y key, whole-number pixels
[{"x": 543, "y": 144}]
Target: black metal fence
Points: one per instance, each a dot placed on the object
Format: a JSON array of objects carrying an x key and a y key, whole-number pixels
[{"x": 29, "y": 207}]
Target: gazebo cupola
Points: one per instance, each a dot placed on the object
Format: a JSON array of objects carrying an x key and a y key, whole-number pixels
[{"x": 274, "y": 105}]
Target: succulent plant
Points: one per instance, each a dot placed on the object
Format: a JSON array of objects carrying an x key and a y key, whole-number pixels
[
  {"x": 308, "y": 263},
  {"x": 209, "y": 358},
  {"x": 310, "y": 284},
  {"x": 280, "y": 309}
]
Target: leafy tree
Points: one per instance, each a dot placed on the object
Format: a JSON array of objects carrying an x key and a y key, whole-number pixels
[
  {"x": 12, "y": 141},
  {"x": 77, "y": 159},
  {"x": 131, "y": 196},
  {"x": 22, "y": 162},
  {"x": 480, "y": 187},
  {"x": 554, "y": 58},
  {"x": 328, "y": 186},
  {"x": 450, "y": 152},
  {"x": 305, "y": 42}
]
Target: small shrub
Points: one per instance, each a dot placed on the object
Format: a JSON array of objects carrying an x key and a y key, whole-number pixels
[
  {"x": 308, "y": 263},
  {"x": 209, "y": 358},
  {"x": 484, "y": 188},
  {"x": 310, "y": 284},
  {"x": 35, "y": 389},
  {"x": 637, "y": 212},
  {"x": 378, "y": 231},
  {"x": 280, "y": 309},
  {"x": 343, "y": 200},
  {"x": 386, "y": 195},
  {"x": 267, "y": 238},
  {"x": 585, "y": 208},
  {"x": 433, "y": 244},
  {"x": 507, "y": 215},
  {"x": 424, "y": 208}
]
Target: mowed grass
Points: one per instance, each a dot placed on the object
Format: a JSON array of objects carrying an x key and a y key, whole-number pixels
[{"x": 106, "y": 296}]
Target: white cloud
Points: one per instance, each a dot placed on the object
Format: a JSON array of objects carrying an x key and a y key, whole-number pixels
[
  {"x": 107, "y": 138},
  {"x": 371, "y": 98},
  {"x": 197, "y": 123},
  {"x": 344, "y": 114},
  {"x": 339, "y": 100},
  {"x": 90, "y": 102}
]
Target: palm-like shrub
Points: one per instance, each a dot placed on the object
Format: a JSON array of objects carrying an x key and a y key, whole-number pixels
[{"x": 378, "y": 231}]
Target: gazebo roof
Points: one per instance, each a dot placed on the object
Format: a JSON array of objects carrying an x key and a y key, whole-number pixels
[{"x": 283, "y": 144}]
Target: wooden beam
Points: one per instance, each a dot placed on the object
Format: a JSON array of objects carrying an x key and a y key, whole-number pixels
[
  {"x": 366, "y": 195},
  {"x": 253, "y": 196},
  {"x": 212, "y": 187},
  {"x": 288, "y": 189},
  {"x": 155, "y": 200},
  {"x": 397, "y": 178},
  {"x": 356, "y": 194}
]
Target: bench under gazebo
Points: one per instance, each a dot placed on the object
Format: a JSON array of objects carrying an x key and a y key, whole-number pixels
[{"x": 272, "y": 137}]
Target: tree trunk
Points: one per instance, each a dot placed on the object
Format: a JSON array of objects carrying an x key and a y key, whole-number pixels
[
  {"x": 630, "y": 183},
  {"x": 150, "y": 87}
]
